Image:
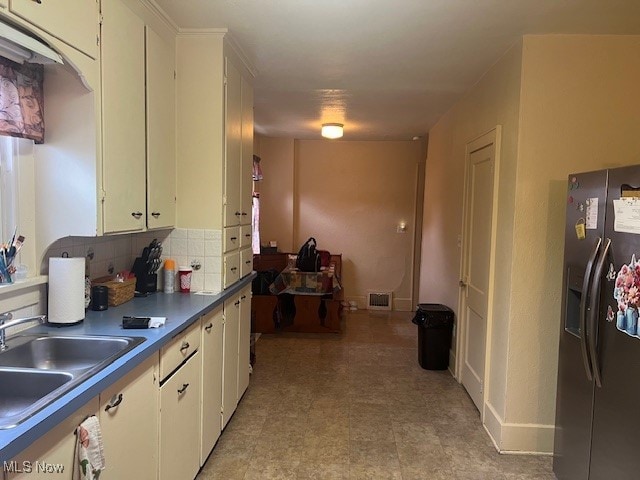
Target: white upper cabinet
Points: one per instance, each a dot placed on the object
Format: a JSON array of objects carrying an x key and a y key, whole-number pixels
[
  {"x": 138, "y": 124},
  {"x": 233, "y": 145},
  {"x": 123, "y": 119},
  {"x": 75, "y": 22},
  {"x": 246, "y": 166},
  {"x": 161, "y": 132}
]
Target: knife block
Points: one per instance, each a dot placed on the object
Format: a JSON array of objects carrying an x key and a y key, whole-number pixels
[{"x": 145, "y": 282}]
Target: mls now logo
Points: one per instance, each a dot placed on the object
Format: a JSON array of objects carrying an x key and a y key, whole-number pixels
[{"x": 32, "y": 467}]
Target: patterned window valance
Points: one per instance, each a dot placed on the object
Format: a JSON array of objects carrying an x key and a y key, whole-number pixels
[{"x": 21, "y": 100}]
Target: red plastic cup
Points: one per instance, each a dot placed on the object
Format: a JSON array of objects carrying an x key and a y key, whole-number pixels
[{"x": 184, "y": 276}]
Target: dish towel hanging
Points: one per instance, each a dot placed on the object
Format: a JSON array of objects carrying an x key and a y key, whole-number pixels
[{"x": 89, "y": 461}]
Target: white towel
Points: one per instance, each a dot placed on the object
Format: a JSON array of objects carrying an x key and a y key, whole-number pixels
[{"x": 89, "y": 450}]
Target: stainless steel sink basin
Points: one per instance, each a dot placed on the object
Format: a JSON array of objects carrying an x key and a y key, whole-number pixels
[
  {"x": 63, "y": 353},
  {"x": 23, "y": 392},
  {"x": 38, "y": 369}
]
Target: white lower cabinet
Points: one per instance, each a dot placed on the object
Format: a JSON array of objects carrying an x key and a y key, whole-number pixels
[
  {"x": 129, "y": 422},
  {"x": 244, "y": 341},
  {"x": 180, "y": 422},
  {"x": 230, "y": 358},
  {"x": 52, "y": 455},
  {"x": 211, "y": 406}
]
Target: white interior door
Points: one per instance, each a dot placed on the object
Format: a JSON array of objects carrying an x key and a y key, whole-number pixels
[{"x": 477, "y": 261}]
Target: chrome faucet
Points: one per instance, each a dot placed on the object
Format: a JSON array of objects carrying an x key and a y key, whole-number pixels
[{"x": 7, "y": 321}]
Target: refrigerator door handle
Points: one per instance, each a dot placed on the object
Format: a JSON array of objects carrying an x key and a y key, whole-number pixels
[
  {"x": 583, "y": 309},
  {"x": 593, "y": 313}
]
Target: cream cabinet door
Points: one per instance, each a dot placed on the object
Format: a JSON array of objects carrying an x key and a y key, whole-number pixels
[
  {"x": 230, "y": 358},
  {"x": 129, "y": 421},
  {"x": 212, "y": 348},
  {"x": 75, "y": 22},
  {"x": 246, "y": 168},
  {"x": 246, "y": 262},
  {"x": 231, "y": 268},
  {"x": 244, "y": 340},
  {"x": 180, "y": 422},
  {"x": 54, "y": 452},
  {"x": 161, "y": 133},
  {"x": 233, "y": 145},
  {"x": 231, "y": 239},
  {"x": 123, "y": 119}
]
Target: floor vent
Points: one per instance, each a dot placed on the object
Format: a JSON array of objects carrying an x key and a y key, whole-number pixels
[{"x": 379, "y": 301}]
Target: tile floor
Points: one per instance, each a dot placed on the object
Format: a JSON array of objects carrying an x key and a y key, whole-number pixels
[{"x": 358, "y": 406}]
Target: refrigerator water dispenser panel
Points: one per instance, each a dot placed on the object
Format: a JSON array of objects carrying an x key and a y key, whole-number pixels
[{"x": 575, "y": 277}]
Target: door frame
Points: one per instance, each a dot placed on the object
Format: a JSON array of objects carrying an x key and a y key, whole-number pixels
[{"x": 493, "y": 136}]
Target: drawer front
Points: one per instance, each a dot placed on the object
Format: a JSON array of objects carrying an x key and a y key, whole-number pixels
[
  {"x": 231, "y": 239},
  {"x": 245, "y": 236},
  {"x": 231, "y": 268},
  {"x": 176, "y": 351},
  {"x": 180, "y": 422},
  {"x": 246, "y": 262}
]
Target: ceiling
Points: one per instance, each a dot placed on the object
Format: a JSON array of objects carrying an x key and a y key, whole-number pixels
[{"x": 387, "y": 69}]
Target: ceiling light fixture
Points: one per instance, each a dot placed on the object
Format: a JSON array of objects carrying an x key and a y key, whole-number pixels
[{"x": 332, "y": 130}]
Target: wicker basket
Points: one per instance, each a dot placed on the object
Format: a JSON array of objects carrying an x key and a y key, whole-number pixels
[{"x": 119, "y": 292}]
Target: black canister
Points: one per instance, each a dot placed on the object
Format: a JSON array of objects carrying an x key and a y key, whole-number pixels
[{"x": 99, "y": 298}]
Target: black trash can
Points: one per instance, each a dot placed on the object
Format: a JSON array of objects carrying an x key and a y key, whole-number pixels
[{"x": 435, "y": 326}]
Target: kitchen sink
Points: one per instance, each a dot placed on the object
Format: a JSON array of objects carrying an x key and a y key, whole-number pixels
[
  {"x": 37, "y": 369},
  {"x": 63, "y": 353},
  {"x": 23, "y": 392}
]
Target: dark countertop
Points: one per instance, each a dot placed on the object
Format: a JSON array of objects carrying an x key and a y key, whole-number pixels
[{"x": 181, "y": 310}]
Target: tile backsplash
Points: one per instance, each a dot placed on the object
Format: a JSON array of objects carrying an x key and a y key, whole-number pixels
[{"x": 201, "y": 249}]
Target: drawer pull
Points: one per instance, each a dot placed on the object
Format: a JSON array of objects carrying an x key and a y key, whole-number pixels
[
  {"x": 185, "y": 346},
  {"x": 183, "y": 389},
  {"x": 155, "y": 214},
  {"x": 114, "y": 404},
  {"x": 136, "y": 215},
  {"x": 209, "y": 327},
  {"x": 39, "y": 2}
]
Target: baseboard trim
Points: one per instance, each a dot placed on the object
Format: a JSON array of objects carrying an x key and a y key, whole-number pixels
[
  {"x": 518, "y": 438},
  {"x": 403, "y": 305}
]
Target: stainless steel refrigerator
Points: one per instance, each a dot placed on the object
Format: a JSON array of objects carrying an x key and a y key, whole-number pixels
[{"x": 597, "y": 434}]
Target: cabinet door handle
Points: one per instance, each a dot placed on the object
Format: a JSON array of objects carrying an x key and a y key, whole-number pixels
[
  {"x": 238, "y": 214},
  {"x": 38, "y": 1},
  {"x": 248, "y": 262},
  {"x": 155, "y": 214},
  {"x": 233, "y": 269},
  {"x": 243, "y": 297},
  {"x": 248, "y": 235},
  {"x": 185, "y": 346},
  {"x": 136, "y": 215},
  {"x": 244, "y": 214},
  {"x": 114, "y": 404},
  {"x": 209, "y": 327},
  {"x": 183, "y": 389},
  {"x": 237, "y": 303},
  {"x": 233, "y": 239}
]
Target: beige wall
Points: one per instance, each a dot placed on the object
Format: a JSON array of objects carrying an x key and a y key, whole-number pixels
[
  {"x": 350, "y": 196},
  {"x": 493, "y": 101},
  {"x": 566, "y": 103},
  {"x": 276, "y": 191},
  {"x": 580, "y": 112}
]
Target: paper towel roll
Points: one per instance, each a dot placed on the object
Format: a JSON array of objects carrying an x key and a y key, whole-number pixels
[{"x": 66, "y": 290}]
